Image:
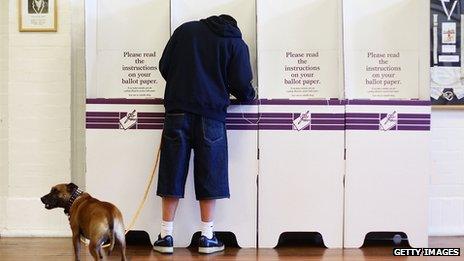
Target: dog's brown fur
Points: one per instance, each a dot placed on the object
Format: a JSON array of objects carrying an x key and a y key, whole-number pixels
[{"x": 93, "y": 219}]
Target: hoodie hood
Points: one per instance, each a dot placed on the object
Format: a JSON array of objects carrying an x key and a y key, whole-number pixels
[{"x": 223, "y": 25}]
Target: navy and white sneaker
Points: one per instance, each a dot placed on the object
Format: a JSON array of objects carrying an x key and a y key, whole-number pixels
[
  {"x": 164, "y": 245},
  {"x": 209, "y": 246}
]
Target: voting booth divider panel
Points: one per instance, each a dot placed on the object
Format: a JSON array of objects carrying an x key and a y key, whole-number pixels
[
  {"x": 387, "y": 118},
  {"x": 119, "y": 162},
  {"x": 301, "y": 133},
  {"x": 387, "y": 170},
  {"x": 301, "y": 170},
  {"x": 126, "y": 125},
  {"x": 299, "y": 128}
]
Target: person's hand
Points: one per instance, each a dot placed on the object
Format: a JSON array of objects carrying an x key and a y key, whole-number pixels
[{"x": 256, "y": 93}]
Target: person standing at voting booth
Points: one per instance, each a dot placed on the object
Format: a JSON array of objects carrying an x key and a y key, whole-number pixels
[{"x": 203, "y": 63}]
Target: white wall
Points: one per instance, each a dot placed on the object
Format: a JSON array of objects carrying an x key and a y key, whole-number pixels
[
  {"x": 78, "y": 95},
  {"x": 447, "y": 179},
  {"x": 3, "y": 107},
  {"x": 39, "y": 124}
]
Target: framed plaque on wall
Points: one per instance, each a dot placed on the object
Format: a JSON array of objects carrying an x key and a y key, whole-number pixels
[{"x": 37, "y": 16}]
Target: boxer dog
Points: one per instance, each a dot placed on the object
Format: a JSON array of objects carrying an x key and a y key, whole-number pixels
[{"x": 89, "y": 217}]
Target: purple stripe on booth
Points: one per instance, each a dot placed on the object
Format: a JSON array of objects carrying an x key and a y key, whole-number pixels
[
  {"x": 301, "y": 102},
  {"x": 237, "y": 103},
  {"x": 146, "y": 126},
  {"x": 126, "y": 101},
  {"x": 328, "y": 127},
  {"x": 241, "y": 127},
  {"x": 327, "y": 115},
  {"x": 413, "y": 116},
  {"x": 277, "y": 115},
  {"x": 362, "y": 121},
  {"x": 102, "y": 120},
  {"x": 271, "y": 102},
  {"x": 260, "y": 121},
  {"x": 260, "y": 115},
  {"x": 335, "y": 122},
  {"x": 362, "y": 127},
  {"x": 269, "y": 121},
  {"x": 150, "y": 114},
  {"x": 102, "y": 114},
  {"x": 232, "y": 102},
  {"x": 101, "y": 126},
  {"x": 414, "y": 122},
  {"x": 333, "y": 102},
  {"x": 363, "y": 115},
  {"x": 413, "y": 128},
  {"x": 337, "y": 102}
]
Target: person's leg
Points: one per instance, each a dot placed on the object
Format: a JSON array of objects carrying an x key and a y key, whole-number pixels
[
  {"x": 169, "y": 206},
  {"x": 207, "y": 208},
  {"x": 211, "y": 177},
  {"x": 172, "y": 175},
  {"x": 174, "y": 161},
  {"x": 210, "y": 163}
]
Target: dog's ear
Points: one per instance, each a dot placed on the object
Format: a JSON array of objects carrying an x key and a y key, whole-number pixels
[{"x": 71, "y": 187}]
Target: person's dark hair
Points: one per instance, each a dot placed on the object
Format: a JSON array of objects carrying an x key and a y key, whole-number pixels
[{"x": 229, "y": 19}]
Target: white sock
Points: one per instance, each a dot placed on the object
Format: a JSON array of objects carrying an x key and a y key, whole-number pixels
[
  {"x": 207, "y": 229},
  {"x": 166, "y": 228}
]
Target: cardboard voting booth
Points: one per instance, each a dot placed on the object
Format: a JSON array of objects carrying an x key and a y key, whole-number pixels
[
  {"x": 387, "y": 170},
  {"x": 387, "y": 119},
  {"x": 301, "y": 131},
  {"x": 125, "y": 115},
  {"x": 337, "y": 143}
]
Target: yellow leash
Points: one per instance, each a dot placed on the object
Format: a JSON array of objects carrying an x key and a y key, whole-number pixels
[
  {"x": 145, "y": 195},
  {"x": 142, "y": 202}
]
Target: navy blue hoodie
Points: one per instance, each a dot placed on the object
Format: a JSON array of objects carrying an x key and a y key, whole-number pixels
[{"x": 203, "y": 63}]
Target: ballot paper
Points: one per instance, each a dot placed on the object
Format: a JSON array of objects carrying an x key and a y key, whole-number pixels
[
  {"x": 128, "y": 121},
  {"x": 303, "y": 121},
  {"x": 389, "y": 122}
]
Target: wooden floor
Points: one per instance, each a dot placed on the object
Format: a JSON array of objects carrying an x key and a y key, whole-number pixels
[{"x": 61, "y": 249}]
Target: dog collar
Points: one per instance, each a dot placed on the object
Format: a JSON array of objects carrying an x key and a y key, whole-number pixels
[{"x": 74, "y": 195}]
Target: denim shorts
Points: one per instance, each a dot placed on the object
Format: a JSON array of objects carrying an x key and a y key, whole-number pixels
[{"x": 208, "y": 138}]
